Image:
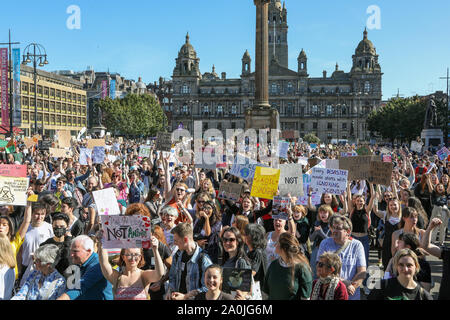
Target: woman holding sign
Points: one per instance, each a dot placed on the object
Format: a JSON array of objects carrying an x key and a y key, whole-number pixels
[{"x": 130, "y": 282}]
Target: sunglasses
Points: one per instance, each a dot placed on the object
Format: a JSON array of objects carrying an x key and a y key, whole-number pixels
[
  {"x": 131, "y": 256},
  {"x": 180, "y": 189},
  {"x": 201, "y": 201},
  {"x": 228, "y": 240}
]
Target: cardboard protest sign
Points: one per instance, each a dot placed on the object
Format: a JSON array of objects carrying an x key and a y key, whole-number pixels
[
  {"x": 164, "y": 141},
  {"x": 98, "y": 155},
  {"x": 91, "y": 143},
  {"x": 60, "y": 153},
  {"x": 380, "y": 173},
  {"x": 443, "y": 153},
  {"x": 324, "y": 180},
  {"x": 416, "y": 146},
  {"x": 64, "y": 138},
  {"x": 229, "y": 191},
  {"x": 126, "y": 231},
  {"x": 358, "y": 167},
  {"x": 13, "y": 191},
  {"x": 106, "y": 202},
  {"x": 291, "y": 180},
  {"x": 30, "y": 142},
  {"x": 236, "y": 279},
  {"x": 85, "y": 153},
  {"x": 283, "y": 147},
  {"x": 265, "y": 182},
  {"x": 144, "y": 151},
  {"x": 332, "y": 163},
  {"x": 13, "y": 170}
]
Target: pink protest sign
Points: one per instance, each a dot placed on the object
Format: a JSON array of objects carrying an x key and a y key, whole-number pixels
[{"x": 13, "y": 170}]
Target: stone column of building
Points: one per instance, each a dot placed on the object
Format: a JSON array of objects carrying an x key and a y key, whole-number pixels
[{"x": 262, "y": 116}]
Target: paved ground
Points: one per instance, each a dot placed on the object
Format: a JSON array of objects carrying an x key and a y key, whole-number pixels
[{"x": 436, "y": 269}]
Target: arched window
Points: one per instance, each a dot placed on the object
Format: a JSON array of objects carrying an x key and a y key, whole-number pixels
[{"x": 205, "y": 108}]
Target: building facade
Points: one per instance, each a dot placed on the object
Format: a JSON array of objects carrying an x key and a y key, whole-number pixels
[
  {"x": 61, "y": 102},
  {"x": 333, "y": 106}
]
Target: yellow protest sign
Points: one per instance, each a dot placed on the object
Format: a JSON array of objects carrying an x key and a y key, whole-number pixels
[
  {"x": 33, "y": 198},
  {"x": 265, "y": 183}
]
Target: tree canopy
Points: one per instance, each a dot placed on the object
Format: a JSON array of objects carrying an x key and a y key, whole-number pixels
[{"x": 134, "y": 115}]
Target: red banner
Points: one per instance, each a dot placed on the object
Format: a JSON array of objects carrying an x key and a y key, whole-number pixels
[
  {"x": 4, "y": 86},
  {"x": 13, "y": 170}
]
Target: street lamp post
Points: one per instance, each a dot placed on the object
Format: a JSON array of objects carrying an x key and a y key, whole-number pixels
[{"x": 37, "y": 53}]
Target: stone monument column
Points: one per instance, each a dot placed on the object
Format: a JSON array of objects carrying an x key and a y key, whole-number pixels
[{"x": 261, "y": 115}]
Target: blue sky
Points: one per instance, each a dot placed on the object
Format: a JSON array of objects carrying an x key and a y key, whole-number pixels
[{"x": 142, "y": 37}]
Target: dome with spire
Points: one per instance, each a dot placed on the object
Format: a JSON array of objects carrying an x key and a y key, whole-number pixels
[
  {"x": 187, "y": 49},
  {"x": 246, "y": 55},
  {"x": 140, "y": 84},
  {"x": 365, "y": 46},
  {"x": 302, "y": 54}
]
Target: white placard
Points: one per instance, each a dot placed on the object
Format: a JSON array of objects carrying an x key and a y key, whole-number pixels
[
  {"x": 106, "y": 202},
  {"x": 333, "y": 181}
]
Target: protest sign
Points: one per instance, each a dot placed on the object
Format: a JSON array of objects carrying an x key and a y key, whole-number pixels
[
  {"x": 243, "y": 167},
  {"x": 416, "y": 146},
  {"x": 380, "y": 173},
  {"x": 13, "y": 170},
  {"x": 303, "y": 161},
  {"x": 313, "y": 146},
  {"x": 106, "y": 202},
  {"x": 85, "y": 153},
  {"x": 126, "y": 231},
  {"x": 358, "y": 167},
  {"x": 279, "y": 206},
  {"x": 64, "y": 138},
  {"x": 13, "y": 191},
  {"x": 164, "y": 141},
  {"x": 236, "y": 279},
  {"x": 116, "y": 147},
  {"x": 91, "y": 143},
  {"x": 60, "y": 153},
  {"x": 98, "y": 155},
  {"x": 33, "y": 198},
  {"x": 144, "y": 151},
  {"x": 30, "y": 142},
  {"x": 332, "y": 163},
  {"x": 443, "y": 153},
  {"x": 283, "y": 147},
  {"x": 385, "y": 151},
  {"x": 265, "y": 182},
  {"x": 229, "y": 191},
  {"x": 291, "y": 180},
  {"x": 111, "y": 157},
  {"x": 387, "y": 158},
  {"x": 324, "y": 180}
]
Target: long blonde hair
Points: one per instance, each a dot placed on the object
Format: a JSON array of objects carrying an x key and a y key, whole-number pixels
[{"x": 6, "y": 253}]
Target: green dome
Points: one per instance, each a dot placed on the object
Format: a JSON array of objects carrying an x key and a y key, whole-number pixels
[{"x": 365, "y": 46}]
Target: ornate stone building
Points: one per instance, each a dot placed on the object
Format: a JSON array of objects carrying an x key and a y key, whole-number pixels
[{"x": 332, "y": 106}]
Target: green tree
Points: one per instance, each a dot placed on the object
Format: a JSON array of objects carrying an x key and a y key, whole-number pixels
[
  {"x": 135, "y": 115},
  {"x": 311, "y": 138}
]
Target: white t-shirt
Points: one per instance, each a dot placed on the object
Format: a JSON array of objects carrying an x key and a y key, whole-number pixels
[
  {"x": 7, "y": 278},
  {"x": 33, "y": 238}
]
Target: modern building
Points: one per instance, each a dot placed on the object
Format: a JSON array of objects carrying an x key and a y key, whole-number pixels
[
  {"x": 61, "y": 102},
  {"x": 333, "y": 106}
]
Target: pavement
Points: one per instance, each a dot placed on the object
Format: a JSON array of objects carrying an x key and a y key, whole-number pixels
[{"x": 436, "y": 270}]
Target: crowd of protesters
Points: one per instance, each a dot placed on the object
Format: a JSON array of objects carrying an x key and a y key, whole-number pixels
[{"x": 321, "y": 252}]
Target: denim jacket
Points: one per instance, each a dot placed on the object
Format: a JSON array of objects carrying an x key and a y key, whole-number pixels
[{"x": 194, "y": 274}]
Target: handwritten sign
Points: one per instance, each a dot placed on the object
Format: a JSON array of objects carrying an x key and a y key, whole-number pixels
[
  {"x": 291, "y": 180},
  {"x": 98, "y": 154},
  {"x": 13, "y": 170},
  {"x": 60, "y": 153},
  {"x": 387, "y": 158},
  {"x": 164, "y": 141},
  {"x": 315, "y": 197},
  {"x": 265, "y": 182},
  {"x": 363, "y": 151},
  {"x": 324, "y": 180},
  {"x": 230, "y": 191},
  {"x": 126, "y": 231},
  {"x": 443, "y": 153},
  {"x": 13, "y": 191},
  {"x": 144, "y": 151},
  {"x": 283, "y": 147},
  {"x": 380, "y": 173},
  {"x": 85, "y": 153},
  {"x": 106, "y": 202},
  {"x": 91, "y": 143},
  {"x": 358, "y": 167},
  {"x": 416, "y": 146},
  {"x": 64, "y": 138}
]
